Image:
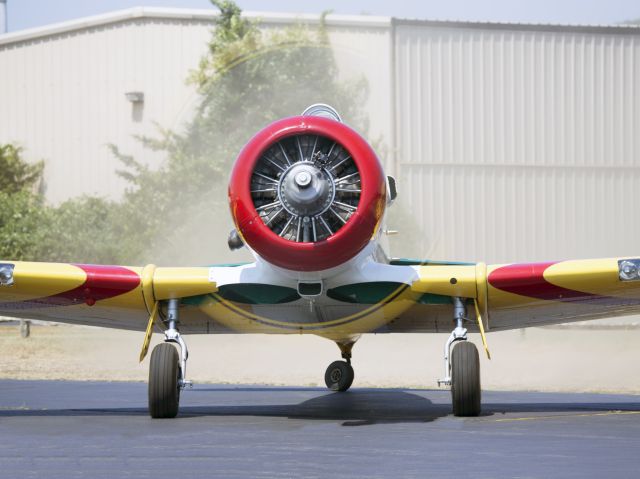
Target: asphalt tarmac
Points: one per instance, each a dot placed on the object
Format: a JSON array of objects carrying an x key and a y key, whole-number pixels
[{"x": 100, "y": 429}]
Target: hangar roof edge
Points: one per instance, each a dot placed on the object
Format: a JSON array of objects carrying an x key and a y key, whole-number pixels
[
  {"x": 182, "y": 14},
  {"x": 286, "y": 18},
  {"x": 622, "y": 28}
]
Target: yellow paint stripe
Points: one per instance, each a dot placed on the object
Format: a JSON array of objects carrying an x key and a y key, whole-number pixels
[
  {"x": 170, "y": 283},
  {"x": 483, "y": 293},
  {"x": 149, "y": 332},
  {"x": 242, "y": 320},
  {"x": 146, "y": 282},
  {"x": 592, "y": 276},
  {"x": 389, "y": 301},
  {"x": 447, "y": 280},
  {"x": 481, "y": 328},
  {"x": 562, "y": 416},
  {"x": 38, "y": 280},
  {"x": 131, "y": 300},
  {"x": 595, "y": 276}
]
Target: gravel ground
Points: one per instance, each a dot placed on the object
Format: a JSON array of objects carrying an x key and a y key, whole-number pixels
[{"x": 533, "y": 359}]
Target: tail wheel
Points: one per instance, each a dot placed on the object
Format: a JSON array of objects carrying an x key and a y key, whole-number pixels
[
  {"x": 465, "y": 379},
  {"x": 164, "y": 390},
  {"x": 339, "y": 376}
]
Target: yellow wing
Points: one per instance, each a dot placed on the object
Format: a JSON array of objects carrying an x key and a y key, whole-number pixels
[
  {"x": 518, "y": 295},
  {"x": 96, "y": 295}
]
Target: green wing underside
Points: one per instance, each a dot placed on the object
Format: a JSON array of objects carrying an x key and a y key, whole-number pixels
[
  {"x": 359, "y": 308},
  {"x": 368, "y": 293}
]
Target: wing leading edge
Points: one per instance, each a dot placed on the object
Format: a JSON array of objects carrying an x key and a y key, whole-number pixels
[
  {"x": 508, "y": 296},
  {"x": 95, "y": 295},
  {"x": 513, "y": 296}
]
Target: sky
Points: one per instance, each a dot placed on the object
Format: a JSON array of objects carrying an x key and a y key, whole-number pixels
[{"x": 23, "y": 14}]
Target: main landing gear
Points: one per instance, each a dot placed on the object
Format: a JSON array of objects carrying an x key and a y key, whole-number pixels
[
  {"x": 167, "y": 371},
  {"x": 462, "y": 366},
  {"x": 339, "y": 375}
]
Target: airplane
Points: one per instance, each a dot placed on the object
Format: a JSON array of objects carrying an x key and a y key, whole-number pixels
[{"x": 308, "y": 197}]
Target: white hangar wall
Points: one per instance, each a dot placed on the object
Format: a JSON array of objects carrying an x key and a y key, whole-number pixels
[
  {"x": 63, "y": 94},
  {"x": 521, "y": 142},
  {"x": 62, "y": 88}
]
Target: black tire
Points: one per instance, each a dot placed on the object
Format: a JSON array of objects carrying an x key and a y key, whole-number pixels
[
  {"x": 339, "y": 376},
  {"x": 164, "y": 392},
  {"x": 465, "y": 379}
]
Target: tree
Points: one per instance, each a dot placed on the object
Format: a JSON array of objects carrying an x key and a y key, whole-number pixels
[
  {"x": 81, "y": 229},
  {"x": 247, "y": 79},
  {"x": 21, "y": 217},
  {"x": 15, "y": 173},
  {"x": 22, "y": 209}
]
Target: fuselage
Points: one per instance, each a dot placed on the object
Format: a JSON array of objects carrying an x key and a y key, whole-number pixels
[{"x": 361, "y": 295}]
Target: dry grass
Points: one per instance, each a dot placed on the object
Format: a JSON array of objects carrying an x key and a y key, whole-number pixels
[{"x": 537, "y": 359}]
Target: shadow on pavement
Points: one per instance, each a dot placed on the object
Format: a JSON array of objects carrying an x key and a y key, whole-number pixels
[{"x": 354, "y": 408}]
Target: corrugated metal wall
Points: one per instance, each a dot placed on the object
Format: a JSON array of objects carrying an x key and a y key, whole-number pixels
[{"x": 521, "y": 144}]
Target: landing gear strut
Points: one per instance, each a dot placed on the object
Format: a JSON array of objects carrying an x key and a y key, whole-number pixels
[
  {"x": 462, "y": 366},
  {"x": 167, "y": 371},
  {"x": 339, "y": 375}
]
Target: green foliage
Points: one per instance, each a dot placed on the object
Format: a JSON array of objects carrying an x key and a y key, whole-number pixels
[
  {"x": 21, "y": 209},
  {"x": 21, "y": 216},
  {"x": 247, "y": 79},
  {"x": 15, "y": 173},
  {"x": 82, "y": 230}
]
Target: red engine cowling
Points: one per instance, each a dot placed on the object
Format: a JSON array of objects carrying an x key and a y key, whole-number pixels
[{"x": 307, "y": 193}]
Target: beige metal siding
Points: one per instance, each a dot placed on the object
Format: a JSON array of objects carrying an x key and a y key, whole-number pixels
[
  {"x": 63, "y": 98},
  {"x": 520, "y": 144},
  {"x": 364, "y": 53}
]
